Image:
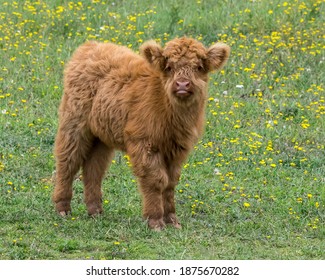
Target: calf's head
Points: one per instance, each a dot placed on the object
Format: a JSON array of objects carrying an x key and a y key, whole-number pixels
[{"x": 185, "y": 64}]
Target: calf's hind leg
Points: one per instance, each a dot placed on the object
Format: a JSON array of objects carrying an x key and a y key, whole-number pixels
[
  {"x": 70, "y": 150},
  {"x": 94, "y": 167}
]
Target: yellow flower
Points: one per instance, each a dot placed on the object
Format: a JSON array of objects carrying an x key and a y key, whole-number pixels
[
  {"x": 299, "y": 199},
  {"x": 246, "y": 204}
]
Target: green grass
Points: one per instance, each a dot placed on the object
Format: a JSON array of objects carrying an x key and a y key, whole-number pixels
[{"x": 253, "y": 187}]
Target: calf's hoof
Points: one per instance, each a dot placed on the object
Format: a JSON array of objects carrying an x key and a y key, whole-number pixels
[
  {"x": 64, "y": 213},
  {"x": 94, "y": 209},
  {"x": 172, "y": 220},
  {"x": 63, "y": 208},
  {"x": 156, "y": 224}
]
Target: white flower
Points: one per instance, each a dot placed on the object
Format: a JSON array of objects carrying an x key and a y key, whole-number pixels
[
  {"x": 239, "y": 86},
  {"x": 217, "y": 171}
]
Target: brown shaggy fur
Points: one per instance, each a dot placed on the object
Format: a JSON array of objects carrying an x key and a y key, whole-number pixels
[{"x": 150, "y": 106}]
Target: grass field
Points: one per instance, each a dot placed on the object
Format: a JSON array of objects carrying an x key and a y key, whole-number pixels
[{"x": 254, "y": 186}]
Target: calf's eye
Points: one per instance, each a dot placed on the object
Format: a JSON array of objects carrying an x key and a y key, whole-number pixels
[{"x": 200, "y": 68}]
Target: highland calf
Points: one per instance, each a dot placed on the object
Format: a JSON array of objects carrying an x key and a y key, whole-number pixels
[{"x": 150, "y": 106}]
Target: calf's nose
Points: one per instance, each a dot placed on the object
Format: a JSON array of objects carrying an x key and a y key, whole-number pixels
[{"x": 182, "y": 85}]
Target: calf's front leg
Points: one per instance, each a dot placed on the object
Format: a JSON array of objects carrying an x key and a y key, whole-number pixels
[
  {"x": 152, "y": 209},
  {"x": 153, "y": 179},
  {"x": 169, "y": 197}
]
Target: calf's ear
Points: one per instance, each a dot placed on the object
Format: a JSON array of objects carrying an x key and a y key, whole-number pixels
[
  {"x": 217, "y": 56},
  {"x": 152, "y": 52}
]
